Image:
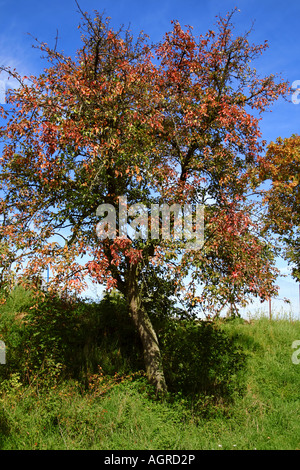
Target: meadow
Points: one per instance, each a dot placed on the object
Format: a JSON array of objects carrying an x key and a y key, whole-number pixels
[{"x": 72, "y": 381}]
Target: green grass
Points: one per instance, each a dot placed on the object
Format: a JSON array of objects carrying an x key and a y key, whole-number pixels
[{"x": 122, "y": 414}]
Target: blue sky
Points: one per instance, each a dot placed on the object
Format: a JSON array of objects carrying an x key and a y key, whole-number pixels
[{"x": 277, "y": 22}]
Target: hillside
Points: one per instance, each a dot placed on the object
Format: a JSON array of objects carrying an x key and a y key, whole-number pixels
[{"x": 114, "y": 411}]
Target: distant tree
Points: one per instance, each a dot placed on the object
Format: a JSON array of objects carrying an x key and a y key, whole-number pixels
[
  {"x": 170, "y": 123},
  {"x": 280, "y": 169}
]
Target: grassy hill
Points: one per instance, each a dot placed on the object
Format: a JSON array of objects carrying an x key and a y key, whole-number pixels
[{"x": 118, "y": 411}]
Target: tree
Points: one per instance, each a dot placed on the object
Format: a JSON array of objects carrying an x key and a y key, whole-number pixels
[
  {"x": 123, "y": 121},
  {"x": 280, "y": 170}
]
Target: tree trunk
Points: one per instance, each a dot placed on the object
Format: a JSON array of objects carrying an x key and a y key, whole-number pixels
[{"x": 142, "y": 322}]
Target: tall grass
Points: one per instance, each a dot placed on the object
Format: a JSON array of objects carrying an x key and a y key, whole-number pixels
[{"x": 51, "y": 409}]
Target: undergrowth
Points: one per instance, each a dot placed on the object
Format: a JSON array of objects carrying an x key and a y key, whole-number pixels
[{"x": 71, "y": 381}]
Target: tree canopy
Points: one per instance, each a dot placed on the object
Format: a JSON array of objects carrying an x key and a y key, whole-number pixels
[{"x": 281, "y": 169}]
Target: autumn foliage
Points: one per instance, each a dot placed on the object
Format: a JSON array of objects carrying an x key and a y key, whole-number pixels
[
  {"x": 281, "y": 170},
  {"x": 173, "y": 122}
]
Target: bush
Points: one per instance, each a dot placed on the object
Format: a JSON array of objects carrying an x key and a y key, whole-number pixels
[
  {"x": 104, "y": 337},
  {"x": 43, "y": 332},
  {"x": 12, "y": 329},
  {"x": 49, "y": 338},
  {"x": 201, "y": 360}
]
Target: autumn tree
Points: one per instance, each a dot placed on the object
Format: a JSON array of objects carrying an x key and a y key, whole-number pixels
[
  {"x": 169, "y": 123},
  {"x": 280, "y": 171}
]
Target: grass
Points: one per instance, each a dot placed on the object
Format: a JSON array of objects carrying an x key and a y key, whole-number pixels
[{"x": 122, "y": 414}]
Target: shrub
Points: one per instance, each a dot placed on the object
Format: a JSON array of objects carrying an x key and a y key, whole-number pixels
[
  {"x": 12, "y": 328},
  {"x": 201, "y": 360},
  {"x": 50, "y": 338},
  {"x": 41, "y": 332}
]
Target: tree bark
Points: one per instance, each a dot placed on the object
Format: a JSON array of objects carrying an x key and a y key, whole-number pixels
[{"x": 142, "y": 322}]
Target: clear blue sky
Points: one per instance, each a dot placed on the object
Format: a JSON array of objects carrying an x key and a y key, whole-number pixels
[{"x": 278, "y": 22}]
